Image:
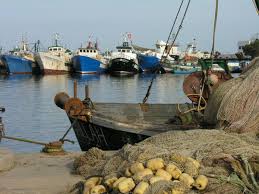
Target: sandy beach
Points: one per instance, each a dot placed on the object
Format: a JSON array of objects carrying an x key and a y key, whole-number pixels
[{"x": 38, "y": 173}]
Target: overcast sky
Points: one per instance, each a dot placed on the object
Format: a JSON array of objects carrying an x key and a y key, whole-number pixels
[{"x": 147, "y": 20}]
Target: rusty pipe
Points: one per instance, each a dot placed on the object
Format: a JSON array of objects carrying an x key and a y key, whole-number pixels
[
  {"x": 61, "y": 99},
  {"x": 75, "y": 89}
]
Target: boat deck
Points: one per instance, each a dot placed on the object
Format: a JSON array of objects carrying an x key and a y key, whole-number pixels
[{"x": 148, "y": 119}]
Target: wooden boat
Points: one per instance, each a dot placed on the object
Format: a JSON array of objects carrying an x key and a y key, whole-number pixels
[{"x": 109, "y": 126}]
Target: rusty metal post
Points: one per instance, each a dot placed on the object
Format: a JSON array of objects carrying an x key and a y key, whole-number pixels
[
  {"x": 75, "y": 89},
  {"x": 86, "y": 91}
]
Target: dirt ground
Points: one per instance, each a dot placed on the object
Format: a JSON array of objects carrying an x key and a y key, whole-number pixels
[{"x": 38, "y": 173}]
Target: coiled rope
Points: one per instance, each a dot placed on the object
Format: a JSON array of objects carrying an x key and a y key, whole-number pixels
[{"x": 165, "y": 50}]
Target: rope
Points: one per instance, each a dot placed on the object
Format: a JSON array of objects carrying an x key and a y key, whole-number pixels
[
  {"x": 179, "y": 28},
  {"x": 212, "y": 52},
  {"x": 214, "y": 29}
]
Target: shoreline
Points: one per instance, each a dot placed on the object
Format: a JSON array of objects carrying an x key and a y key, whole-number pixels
[{"x": 39, "y": 173}]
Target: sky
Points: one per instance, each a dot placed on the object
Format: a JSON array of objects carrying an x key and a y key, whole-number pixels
[{"x": 107, "y": 21}]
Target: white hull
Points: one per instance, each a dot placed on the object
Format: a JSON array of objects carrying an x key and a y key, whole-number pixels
[{"x": 50, "y": 63}]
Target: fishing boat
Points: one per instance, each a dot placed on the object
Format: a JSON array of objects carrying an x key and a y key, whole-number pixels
[
  {"x": 18, "y": 61},
  {"x": 149, "y": 63},
  {"x": 109, "y": 126},
  {"x": 13, "y": 64},
  {"x": 88, "y": 61},
  {"x": 54, "y": 61},
  {"x": 185, "y": 69},
  {"x": 124, "y": 60}
]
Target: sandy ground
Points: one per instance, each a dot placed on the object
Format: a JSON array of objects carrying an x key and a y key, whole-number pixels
[{"x": 38, "y": 173}]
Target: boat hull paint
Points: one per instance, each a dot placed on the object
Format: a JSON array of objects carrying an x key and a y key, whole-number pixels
[
  {"x": 113, "y": 125},
  {"x": 148, "y": 63},
  {"x": 122, "y": 66},
  {"x": 90, "y": 135},
  {"x": 50, "y": 64},
  {"x": 12, "y": 64},
  {"x": 87, "y": 65}
]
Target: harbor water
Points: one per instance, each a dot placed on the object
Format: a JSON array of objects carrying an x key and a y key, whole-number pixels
[{"x": 32, "y": 114}]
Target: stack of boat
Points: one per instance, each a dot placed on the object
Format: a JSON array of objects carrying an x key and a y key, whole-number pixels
[{"x": 126, "y": 60}]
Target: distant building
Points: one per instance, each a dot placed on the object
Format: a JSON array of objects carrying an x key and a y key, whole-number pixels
[{"x": 242, "y": 44}]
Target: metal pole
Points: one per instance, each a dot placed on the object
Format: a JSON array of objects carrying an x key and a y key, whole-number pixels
[
  {"x": 86, "y": 91},
  {"x": 75, "y": 89}
]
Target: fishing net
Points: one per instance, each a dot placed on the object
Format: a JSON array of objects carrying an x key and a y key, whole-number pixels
[
  {"x": 223, "y": 157},
  {"x": 235, "y": 104}
]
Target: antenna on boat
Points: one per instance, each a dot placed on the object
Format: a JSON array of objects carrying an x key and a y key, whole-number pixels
[
  {"x": 96, "y": 44},
  {"x": 89, "y": 45},
  {"x": 56, "y": 39}
]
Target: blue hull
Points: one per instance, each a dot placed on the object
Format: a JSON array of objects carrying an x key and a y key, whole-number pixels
[
  {"x": 16, "y": 65},
  {"x": 148, "y": 63},
  {"x": 86, "y": 65}
]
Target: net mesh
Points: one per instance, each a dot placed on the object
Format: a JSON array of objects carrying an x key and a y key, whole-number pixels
[
  {"x": 218, "y": 151},
  {"x": 235, "y": 104}
]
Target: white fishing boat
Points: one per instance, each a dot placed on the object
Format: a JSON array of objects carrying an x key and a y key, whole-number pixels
[
  {"x": 54, "y": 61},
  {"x": 124, "y": 59}
]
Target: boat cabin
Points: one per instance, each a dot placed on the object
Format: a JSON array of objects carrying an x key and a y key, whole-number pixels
[
  {"x": 56, "y": 49},
  {"x": 89, "y": 52},
  {"x": 125, "y": 48}
]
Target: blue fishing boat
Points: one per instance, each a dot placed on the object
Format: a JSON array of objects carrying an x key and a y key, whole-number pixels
[
  {"x": 148, "y": 63},
  {"x": 13, "y": 64},
  {"x": 88, "y": 61}
]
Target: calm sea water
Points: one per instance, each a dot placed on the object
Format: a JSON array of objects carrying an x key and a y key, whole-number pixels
[{"x": 31, "y": 112}]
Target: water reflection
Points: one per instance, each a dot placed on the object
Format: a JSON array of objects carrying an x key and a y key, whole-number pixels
[{"x": 31, "y": 112}]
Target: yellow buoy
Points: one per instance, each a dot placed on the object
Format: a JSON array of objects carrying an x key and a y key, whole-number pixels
[
  {"x": 140, "y": 175},
  {"x": 155, "y": 164},
  {"x": 126, "y": 185},
  {"x": 98, "y": 189},
  {"x": 201, "y": 182},
  {"x": 186, "y": 179},
  {"x": 167, "y": 176},
  {"x": 93, "y": 181},
  {"x": 136, "y": 167},
  {"x": 116, "y": 183},
  {"x": 141, "y": 188},
  {"x": 195, "y": 162},
  {"x": 173, "y": 170},
  {"x": 155, "y": 179},
  {"x": 109, "y": 181}
]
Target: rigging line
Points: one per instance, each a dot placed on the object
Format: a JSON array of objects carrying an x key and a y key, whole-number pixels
[
  {"x": 180, "y": 26},
  {"x": 215, "y": 28},
  {"x": 204, "y": 80},
  {"x": 157, "y": 69},
  {"x": 172, "y": 28}
]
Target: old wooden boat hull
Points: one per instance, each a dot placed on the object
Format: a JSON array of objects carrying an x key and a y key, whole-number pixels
[
  {"x": 109, "y": 126},
  {"x": 91, "y": 135}
]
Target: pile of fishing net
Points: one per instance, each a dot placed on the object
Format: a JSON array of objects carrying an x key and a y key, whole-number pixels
[
  {"x": 195, "y": 161},
  {"x": 235, "y": 104}
]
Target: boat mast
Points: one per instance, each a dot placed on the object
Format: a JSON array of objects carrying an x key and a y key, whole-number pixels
[{"x": 56, "y": 39}]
